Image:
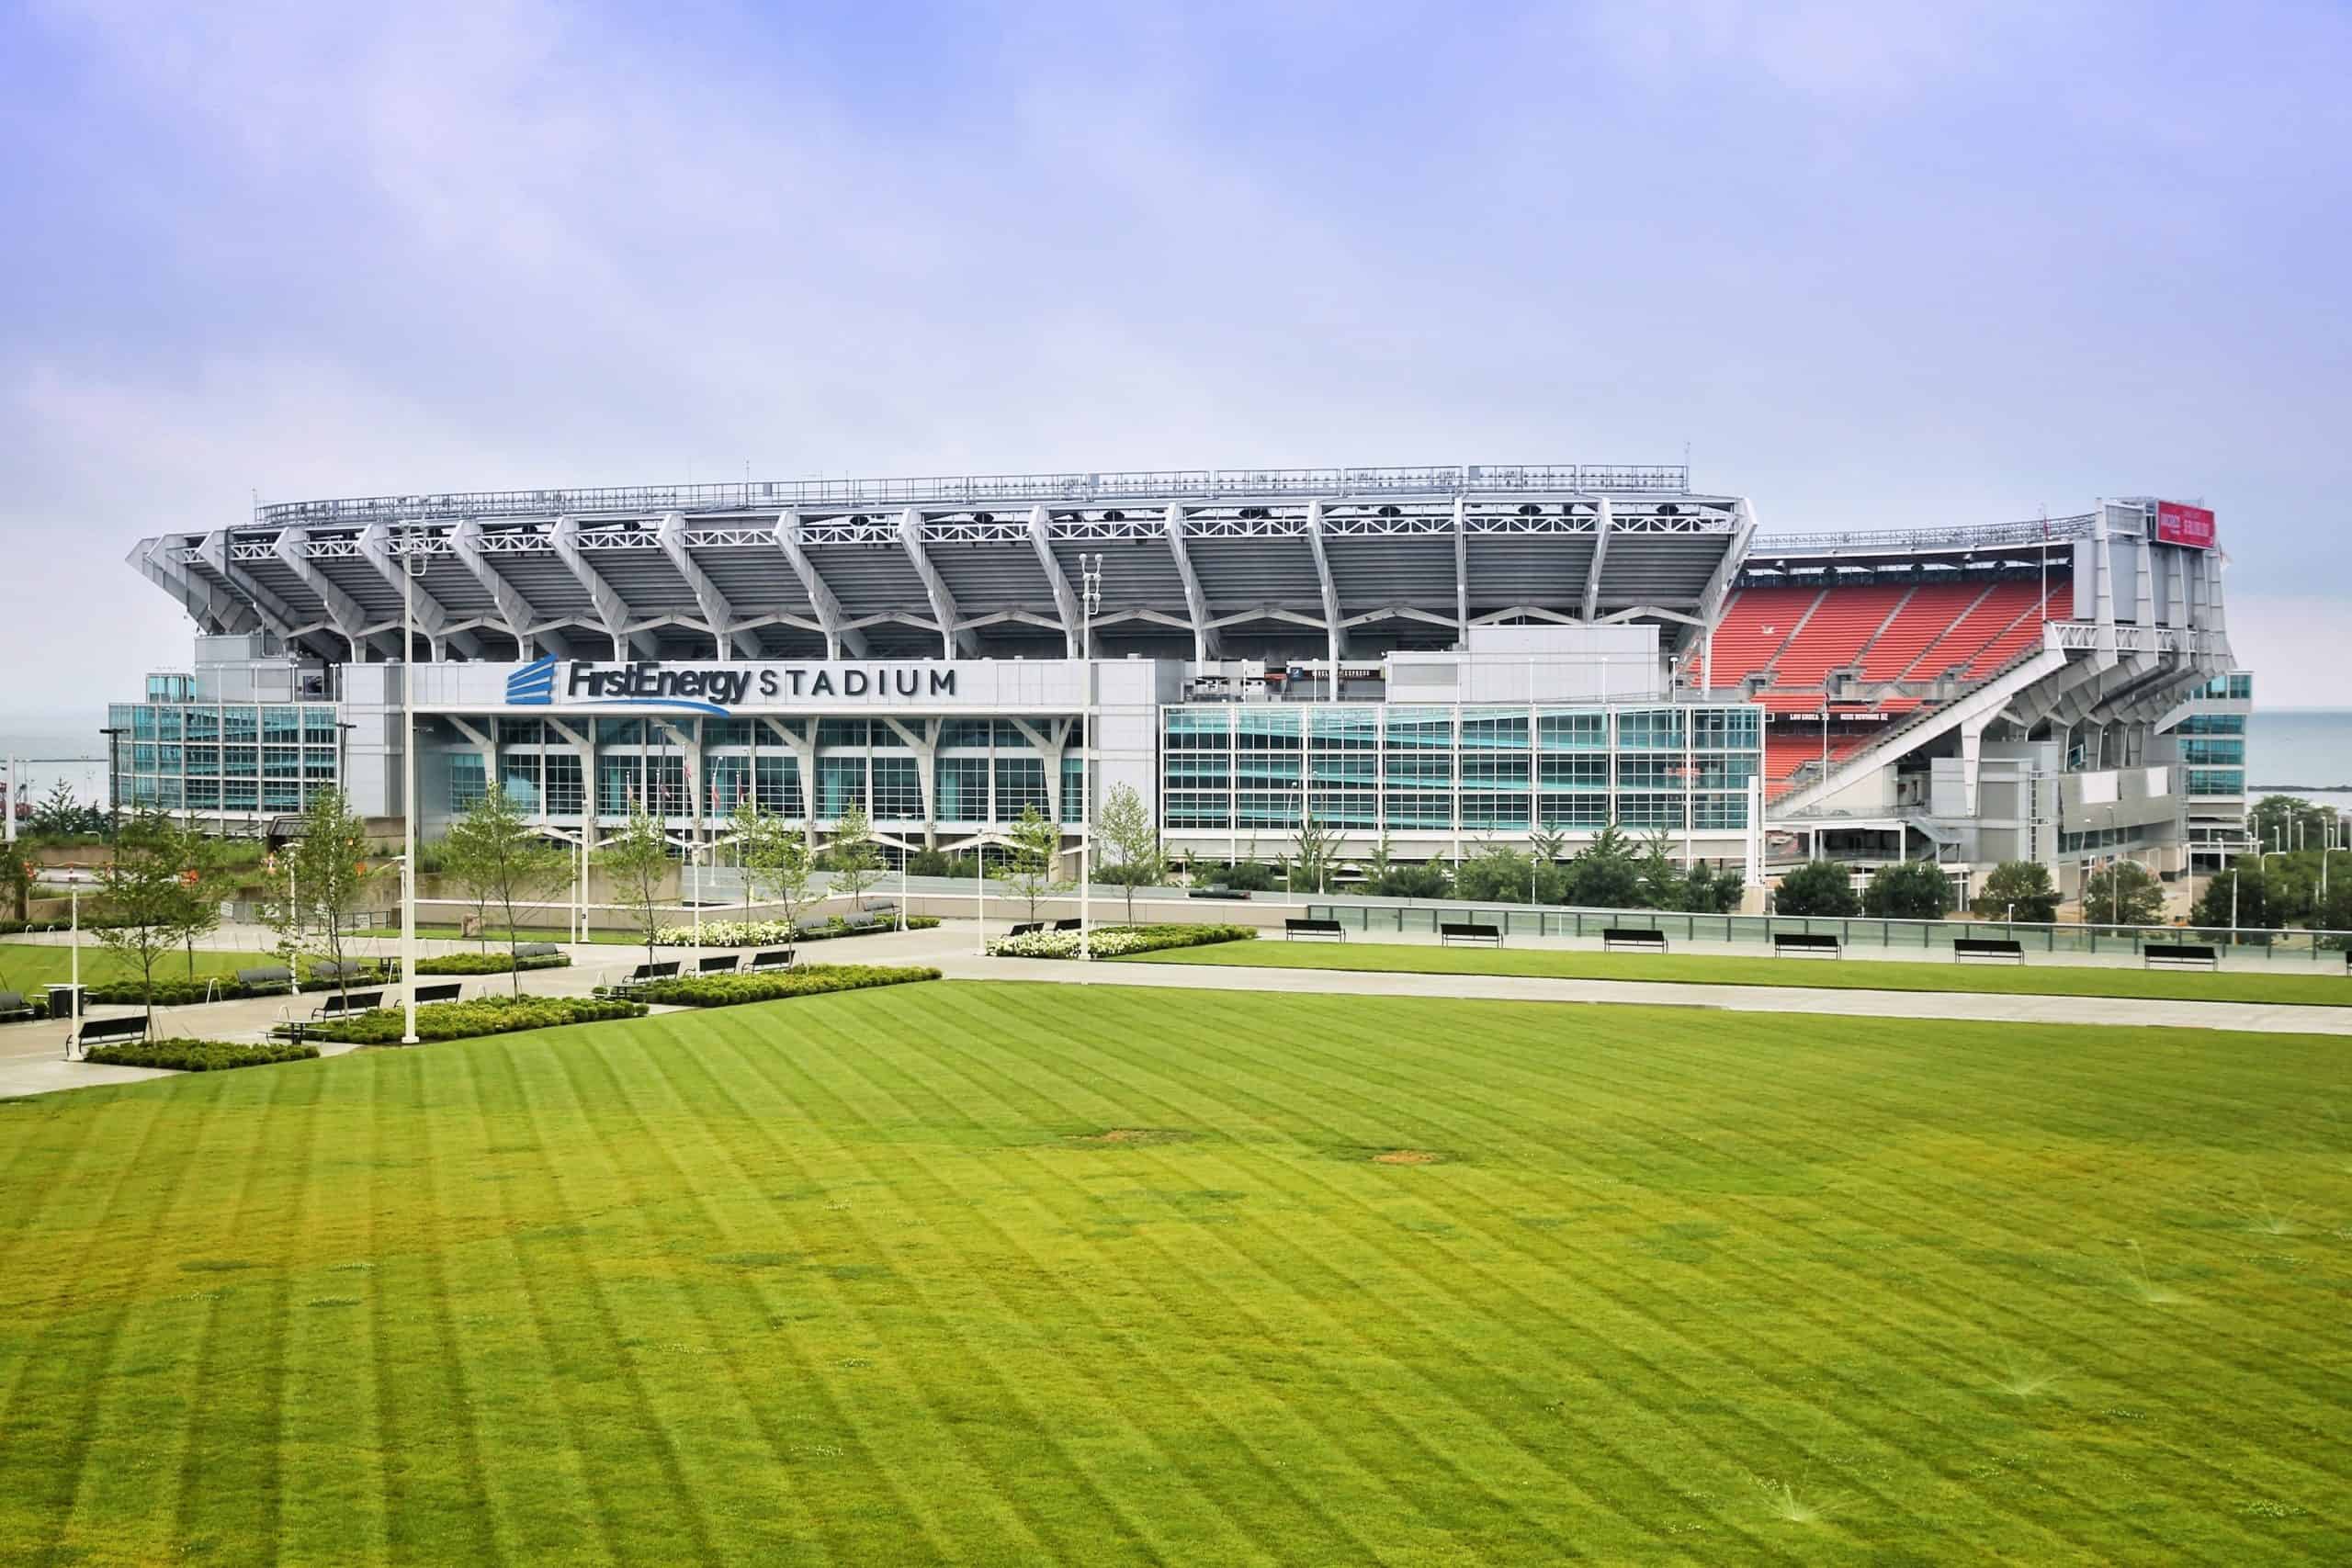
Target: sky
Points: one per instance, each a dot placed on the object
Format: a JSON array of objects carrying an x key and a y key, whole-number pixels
[{"x": 1872, "y": 266}]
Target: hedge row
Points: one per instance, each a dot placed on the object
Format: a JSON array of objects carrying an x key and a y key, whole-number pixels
[
  {"x": 812, "y": 979},
  {"x": 1116, "y": 941},
  {"x": 464, "y": 1020},
  {"x": 179, "y": 990},
  {"x": 780, "y": 933},
  {"x": 199, "y": 1055},
  {"x": 489, "y": 963}
]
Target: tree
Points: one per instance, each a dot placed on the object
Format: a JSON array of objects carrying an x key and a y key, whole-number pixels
[
  {"x": 1707, "y": 891},
  {"x": 327, "y": 877},
  {"x": 2237, "y": 896},
  {"x": 1817, "y": 887},
  {"x": 204, "y": 876},
  {"x": 1604, "y": 874},
  {"x": 2288, "y": 821},
  {"x": 636, "y": 862},
  {"x": 498, "y": 858},
  {"x": 1313, "y": 850},
  {"x": 1908, "y": 890},
  {"x": 854, "y": 858},
  {"x": 16, "y": 877},
  {"x": 2335, "y": 911},
  {"x": 1662, "y": 885},
  {"x": 1407, "y": 880},
  {"x": 1132, "y": 839},
  {"x": 1036, "y": 852},
  {"x": 61, "y": 816},
  {"x": 1548, "y": 845},
  {"x": 777, "y": 865},
  {"x": 143, "y": 900},
  {"x": 2018, "y": 890},
  {"x": 2125, "y": 893},
  {"x": 1495, "y": 875}
]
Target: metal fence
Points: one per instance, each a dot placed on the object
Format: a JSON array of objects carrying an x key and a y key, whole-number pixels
[{"x": 1928, "y": 936}]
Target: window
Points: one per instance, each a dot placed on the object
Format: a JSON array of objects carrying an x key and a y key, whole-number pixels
[
  {"x": 1186, "y": 809},
  {"x": 1265, "y": 809},
  {"x": 1345, "y": 807},
  {"x": 318, "y": 764},
  {"x": 1658, "y": 728},
  {"x": 468, "y": 779},
  {"x": 1650, "y": 810},
  {"x": 963, "y": 785},
  {"x": 1719, "y": 811},
  {"x": 1717, "y": 772},
  {"x": 1726, "y": 729},
  {"x": 518, "y": 775},
  {"x": 665, "y": 784},
  {"x": 1420, "y": 809},
  {"x": 1075, "y": 778},
  {"x": 1339, "y": 729},
  {"x": 1576, "y": 773},
  {"x": 281, "y": 727},
  {"x": 1489, "y": 810},
  {"x": 1574, "y": 810},
  {"x": 840, "y": 732},
  {"x": 724, "y": 732},
  {"x": 1485, "y": 734},
  {"x": 898, "y": 789},
  {"x": 203, "y": 761},
  {"x": 318, "y": 727},
  {"x": 1267, "y": 730},
  {"x": 520, "y": 732},
  {"x": 1489, "y": 770},
  {"x": 620, "y": 732},
  {"x": 2198, "y": 751},
  {"x": 2216, "y": 780},
  {"x": 2213, "y": 724},
  {"x": 620, "y": 784},
  {"x": 775, "y": 784},
  {"x": 972, "y": 732},
  {"x": 1020, "y": 784},
  {"x": 1649, "y": 770},
  {"x": 840, "y": 784},
  {"x": 730, "y": 784}
]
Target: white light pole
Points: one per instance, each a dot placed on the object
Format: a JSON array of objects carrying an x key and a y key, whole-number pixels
[
  {"x": 980, "y": 891},
  {"x": 694, "y": 863},
  {"x": 411, "y": 564},
  {"x": 1090, "y": 600}
]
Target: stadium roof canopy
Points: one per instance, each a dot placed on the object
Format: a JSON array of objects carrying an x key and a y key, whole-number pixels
[{"x": 1200, "y": 563}]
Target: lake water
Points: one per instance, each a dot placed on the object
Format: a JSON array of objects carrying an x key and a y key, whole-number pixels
[{"x": 25, "y": 736}]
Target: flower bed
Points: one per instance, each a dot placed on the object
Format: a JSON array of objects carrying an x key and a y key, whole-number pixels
[
  {"x": 487, "y": 962},
  {"x": 199, "y": 1055},
  {"x": 1116, "y": 941},
  {"x": 778, "y": 934},
  {"x": 812, "y": 979},
  {"x": 465, "y": 1020}
]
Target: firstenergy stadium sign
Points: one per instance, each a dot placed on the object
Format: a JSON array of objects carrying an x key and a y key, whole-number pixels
[{"x": 721, "y": 688}]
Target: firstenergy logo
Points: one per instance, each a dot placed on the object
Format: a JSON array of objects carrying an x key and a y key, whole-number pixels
[{"x": 532, "y": 686}]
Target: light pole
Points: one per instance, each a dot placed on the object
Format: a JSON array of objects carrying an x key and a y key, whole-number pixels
[
  {"x": 1090, "y": 601},
  {"x": 411, "y": 564}
]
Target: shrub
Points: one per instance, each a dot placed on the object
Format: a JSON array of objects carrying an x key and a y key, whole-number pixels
[
  {"x": 199, "y": 1055},
  {"x": 1908, "y": 890},
  {"x": 1817, "y": 887},
  {"x": 775, "y": 933},
  {"x": 1117, "y": 941},
  {"x": 487, "y": 964},
  {"x": 732, "y": 990},
  {"x": 465, "y": 1020}
]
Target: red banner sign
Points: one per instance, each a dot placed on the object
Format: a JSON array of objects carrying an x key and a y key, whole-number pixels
[{"x": 2178, "y": 523}]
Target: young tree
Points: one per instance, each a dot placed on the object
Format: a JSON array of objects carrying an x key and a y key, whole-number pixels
[
  {"x": 1132, "y": 839},
  {"x": 327, "y": 877},
  {"x": 1908, "y": 890},
  {"x": 1496, "y": 874},
  {"x": 854, "y": 858},
  {"x": 2017, "y": 890},
  {"x": 498, "y": 858},
  {"x": 1817, "y": 887},
  {"x": 2125, "y": 893},
  {"x": 1662, "y": 884},
  {"x": 1549, "y": 845},
  {"x": 1407, "y": 880},
  {"x": 204, "y": 877},
  {"x": 1604, "y": 874},
  {"x": 143, "y": 900},
  {"x": 1314, "y": 847},
  {"x": 636, "y": 862},
  {"x": 778, "y": 866},
  {"x": 61, "y": 816},
  {"x": 1706, "y": 891},
  {"x": 17, "y": 876},
  {"x": 1035, "y": 848}
]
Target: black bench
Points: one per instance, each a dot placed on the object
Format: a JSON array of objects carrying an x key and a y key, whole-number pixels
[
  {"x": 1217, "y": 890},
  {"x": 1987, "y": 947},
  {"x": 667, "y": 970},
  {"x": 1026, "y": 927},
  {"x": 328, "y": 969},
  {"x": 1451, "y": 932},
  {"x": 719, "y": 964},
  {"x": 1066, "y": 925},
  {"x": 13, "y": 1005},
  {"x": 773, "y": 958},
  {"x": 536, "y": 950},
  {"x": 102, "y": 1030},
  {"x": 1805, "y": 944},
  {"x": 1292, "y": 928},
  {"x": 448, "y": 991},
  {"x": 1616, "y": 938},
  {"x": 266, "y": 975},
  {"x": 2180, "y": 956},
  {"x": 343, "y": 1004}
]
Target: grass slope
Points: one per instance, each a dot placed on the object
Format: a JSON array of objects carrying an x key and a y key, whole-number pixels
[
  {"x": 26, "y": 966},
  {"x": 862, "y": 1279},
  {"x": 2326, "y": 986}
]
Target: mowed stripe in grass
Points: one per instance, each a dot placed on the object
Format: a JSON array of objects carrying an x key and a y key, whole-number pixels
[
  {"x": 26, "y": 966},
  {"x": 2325, "y": 984},
  {"x": 1005, "y": 1273}
]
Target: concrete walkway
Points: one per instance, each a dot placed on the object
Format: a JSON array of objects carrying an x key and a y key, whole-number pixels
[{"x": 31, "y": 1056}]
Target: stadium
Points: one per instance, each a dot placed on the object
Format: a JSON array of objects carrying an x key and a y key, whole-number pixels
[{"x": 1434, "y": 658}]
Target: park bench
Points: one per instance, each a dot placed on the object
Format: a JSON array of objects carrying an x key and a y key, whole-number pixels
[
  {"x": 1805, "y": 944},
  {"x": 100, "y": 1031},
  {"x": 1217, "y": 890},
  {"x": 349, "y": 969},
  {"x": 2180, "y": 956},
  {"x": 1451, "y": 932},
  {"x": 1987, "y": 947},
  {"x": 719, "y": 963},
  {"x": 1615, "y": 938},
  {"x": 448, "y": 991},
  {"x": 266, "y": 975},
  {"x": 343, "y": 1004},
  {"x": 14, "y": 1006},
  {"x": 1067, "y": 925},
  {"x": 1297, "y": 926},
  {"x": 1026, "y": 927},
  {"x": 536, "y": 950},
  {"x": 771, "y": 958}
]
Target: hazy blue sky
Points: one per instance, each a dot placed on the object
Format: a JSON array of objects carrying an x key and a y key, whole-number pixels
[{"x": 1875, "y": 264}]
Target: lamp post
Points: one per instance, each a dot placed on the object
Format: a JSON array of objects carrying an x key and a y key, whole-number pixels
[
  {"x": 1090, "y": 602},
  {"x": 411, "y": 564}
]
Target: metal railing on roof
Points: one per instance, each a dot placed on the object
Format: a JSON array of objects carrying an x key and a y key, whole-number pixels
[
  {"x": 1975, "y": 536},
  {"x": 1191, "y": 484}
]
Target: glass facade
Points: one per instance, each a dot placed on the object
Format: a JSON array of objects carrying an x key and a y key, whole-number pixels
[
  {"x": 171, "y": 753},
  {"x": 1473, "y": 771}
]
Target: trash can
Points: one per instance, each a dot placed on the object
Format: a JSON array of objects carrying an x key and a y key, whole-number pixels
[{"x": 64, "y": 1000}]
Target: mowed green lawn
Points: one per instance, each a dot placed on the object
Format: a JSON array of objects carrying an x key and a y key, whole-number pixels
[
  {"x": 999, "y": 1273},
  {"x": 27, "y": 966},
  {"x": 2322, "y": 985}
]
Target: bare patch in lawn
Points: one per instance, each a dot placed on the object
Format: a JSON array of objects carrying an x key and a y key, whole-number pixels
[
  {"x": 1144, "y": 1136},
  {"x": 1408, "y": 1156}
]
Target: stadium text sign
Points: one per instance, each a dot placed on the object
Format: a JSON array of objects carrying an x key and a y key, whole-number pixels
[
  {"x": 720, "y": 688},
  {"x": 2180, "y": 524}
]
